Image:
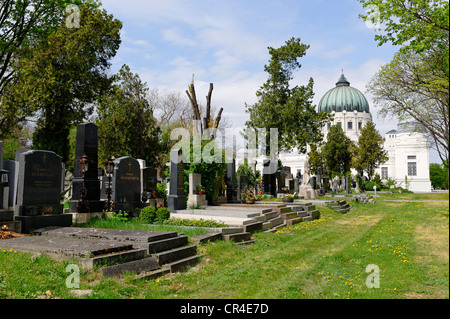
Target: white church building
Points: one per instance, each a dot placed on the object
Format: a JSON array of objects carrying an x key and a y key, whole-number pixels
[{"x": 408, "y": 151}]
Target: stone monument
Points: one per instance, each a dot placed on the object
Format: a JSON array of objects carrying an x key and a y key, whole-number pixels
[
  {"x": 195, "y": 199},
  {"x": 39, "y": 191},
  {"x": 177, "y": 197},
  {"x": 87, "y": 144},
  {"x": 126, "y": 184},
  {"x": 305, "y": 189}
]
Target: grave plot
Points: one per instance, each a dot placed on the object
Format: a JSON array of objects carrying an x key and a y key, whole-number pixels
[{"x": 147, "y": 254}]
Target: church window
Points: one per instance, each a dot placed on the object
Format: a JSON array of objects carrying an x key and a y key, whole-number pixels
[
  {"x": 412, "y": 169},
  {"x": 384, "y": 173},
  {"x": 359, "y": 125},
  {"x": 350, "y": 125},
  {"x": 412, "y": 157},
  {"x": 339, "y": 123}
]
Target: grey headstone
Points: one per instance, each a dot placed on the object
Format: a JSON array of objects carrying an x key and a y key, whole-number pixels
[{"x": 177, "y": 197}]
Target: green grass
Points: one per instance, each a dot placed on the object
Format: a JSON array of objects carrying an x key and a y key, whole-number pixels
[{"x": 326, "y": 258}]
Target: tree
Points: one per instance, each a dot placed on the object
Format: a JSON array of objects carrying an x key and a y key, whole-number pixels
[
  {"x": 419, "y": 25},
  {"x": 415, "y": 84},
  {"x": 438, "y": 176},
  {"x": 74, "y": 62},
  {"x": 246, "y": 170},
  {"x": 207, "y": 122},
  {"x": 126, "y": 125},
  {"x": 290, "y": 110},
  {"x": 25, "y": 22},
  {"x": 337, "y": 152},
  {"x": 369, "y": 153},
  {"x": 407, "y": 89},
  {"x": 316, "y": 159}
]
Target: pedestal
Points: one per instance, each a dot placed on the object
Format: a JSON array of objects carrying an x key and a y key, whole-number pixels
[{"x": 196, "y": 201}]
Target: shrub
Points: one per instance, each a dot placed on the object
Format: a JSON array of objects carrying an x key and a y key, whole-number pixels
[
  {"x": 162, "y": 214},
  {"x": 161, "y": 192},
  {"x": 370, "y": 184},
  {"x": 148, "y": 215}
]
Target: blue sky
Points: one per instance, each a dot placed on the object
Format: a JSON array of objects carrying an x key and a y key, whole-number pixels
[{"x": 225, "y": 42}]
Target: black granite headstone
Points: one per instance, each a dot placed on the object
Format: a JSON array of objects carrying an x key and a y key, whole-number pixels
[
  {"x": 269, "y": 177},
  {"x": 177, "y": 197},
  {"x": 127, "y": 183},
  {"x": 39, "y": 191},
  {"x": 87, "y": 143},
  {"x": 231, "y": 182},
  {"x": 150, "y": 180},
  {"x": 281, "y": 180}
]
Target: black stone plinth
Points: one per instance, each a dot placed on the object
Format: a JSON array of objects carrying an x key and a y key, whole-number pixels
[{"x": 30, "y": 223}]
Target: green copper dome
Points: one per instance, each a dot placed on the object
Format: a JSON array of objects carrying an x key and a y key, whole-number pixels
[{"x": 343, "y": 97}]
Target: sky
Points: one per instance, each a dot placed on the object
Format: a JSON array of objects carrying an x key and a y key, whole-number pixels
[{"x": 167, "y": 42}]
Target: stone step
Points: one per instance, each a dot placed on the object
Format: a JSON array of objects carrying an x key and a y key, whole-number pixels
[
  {"x": 152, "y": 274},
  {"x": 114, "y": 258},
  {"x": 136, "y": 266},
  {"x": 271, "y": 215},
  {"x": 203, "y": 238},
  {"x": 288, "y": 215},
  {"x": 232, "y": 230},
  {"x": 247, "y": 242},
  {"x": 238, "y": 237},
  {"x": 166, "y": 244},
  {"x": 251, "y": 228},
  {"x": 294, "y": 221},
  {"x": 297, "y": 208},
  {"x": 184, "y": 263},
  {"x": 272, "y": 223},
  {"x": 281, "y": 210},
  {"x": 260, "y": 218},
  {"x": 303, "y": 214},
  {"x": 170, "y": 256},
  {"x": 315, "y": 214},
  {"x": 307, "y": 219}
]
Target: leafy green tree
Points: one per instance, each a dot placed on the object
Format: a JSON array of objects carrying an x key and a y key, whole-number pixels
[
  {"x": 369, "y": 153},
  {"x": 337, "y": 152},
  {"x": 290, "y": 110},
  {"x": 23, "y": 25},
  {"x": 419, "y": 25},
  {"x": 439, "y": 176},
  {"x": 246, "y": 170},
  {"x": 75, "y": 64},
  {"x": 126, "y": 125},
  {"x": 316, "y": 159},
  {"x": 416, "y": 83}
]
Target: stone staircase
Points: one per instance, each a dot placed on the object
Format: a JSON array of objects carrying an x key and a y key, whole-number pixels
[
  {"x": 155, "y": 253},
  {"x": 340, "y": 206}
]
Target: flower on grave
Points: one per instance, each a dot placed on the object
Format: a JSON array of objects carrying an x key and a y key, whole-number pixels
[{"x": 288, "y": 196}]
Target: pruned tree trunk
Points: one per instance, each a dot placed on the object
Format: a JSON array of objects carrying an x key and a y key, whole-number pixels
[{"x": 196, "y": 111}]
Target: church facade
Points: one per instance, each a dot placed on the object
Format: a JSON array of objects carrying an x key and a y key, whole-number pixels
[{"x": 408, "y": 151}]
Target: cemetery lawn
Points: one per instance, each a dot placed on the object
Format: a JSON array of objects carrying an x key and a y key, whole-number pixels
[{"x": 325, "y": 258}]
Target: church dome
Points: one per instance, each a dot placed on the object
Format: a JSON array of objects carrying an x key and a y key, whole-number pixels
[{"x": 343, "y": 97}]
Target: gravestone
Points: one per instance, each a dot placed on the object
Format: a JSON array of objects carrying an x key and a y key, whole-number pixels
[
  {"x": 5, "y": 214},
  {"x": 177, "y": 197},
  {"x": 87, "y": 143},
  {"x": 281, "y": 181},
  {"x": 150, "y": 180},
  {"x": 269, "y": 177},
  {"x": 39, "y": 191},
  {"x": 291, "y": 184},
  {"x": 231, "y": 182},
  {"x": 305, "y": 189},
  {"x": 195, "y": 199},
  {"x": 126, "y": 184}
]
